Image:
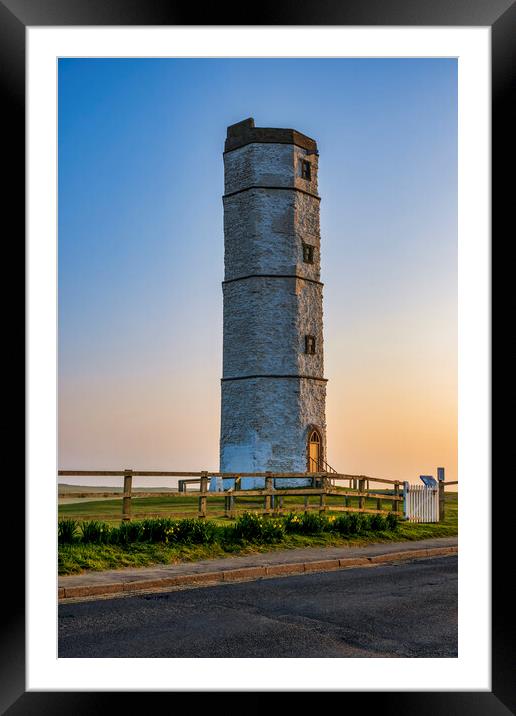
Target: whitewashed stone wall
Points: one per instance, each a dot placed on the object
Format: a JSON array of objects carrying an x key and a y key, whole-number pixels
[
  {"x": 265, "y": 230},
  {"x": 265, "y": 323},
  {"x": 265, "y": 424},
  {"x": 266, "y": 417}
]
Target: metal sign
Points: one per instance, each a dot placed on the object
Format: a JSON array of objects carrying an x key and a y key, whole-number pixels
[{"x": 428, "y": 480}]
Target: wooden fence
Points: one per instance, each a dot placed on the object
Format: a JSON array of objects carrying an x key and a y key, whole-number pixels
[{"x": 324, "y": 487}]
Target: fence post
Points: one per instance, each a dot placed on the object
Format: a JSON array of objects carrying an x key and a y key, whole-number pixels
[
  {"x": 361, "y": 488},
  {"x": 440, "y": 478},
  {"x": 268, "y": 498},
  {"x": 126, "y": 502},
  {"x": 322, "y": 496},
  {"x": 405, "y": 499},
  {"x": 396, "y": 503},
  {"x": 231, "y": 499},
  {"x": 202, "y": 496}
]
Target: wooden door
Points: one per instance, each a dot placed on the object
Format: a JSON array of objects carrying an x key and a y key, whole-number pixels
[{"x": 314, "y": 452}]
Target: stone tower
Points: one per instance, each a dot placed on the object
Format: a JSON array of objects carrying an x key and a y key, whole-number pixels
[{"x": 273, "y": 385}]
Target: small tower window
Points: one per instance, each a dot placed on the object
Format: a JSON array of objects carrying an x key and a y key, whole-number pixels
[
  {"x": 308, "y": 254},
  {"x": 310, "y": 345},
  {"x": 305, "y": 169}
]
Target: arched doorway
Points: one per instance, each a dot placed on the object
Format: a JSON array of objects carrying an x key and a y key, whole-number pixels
[{"x": 314, "y": 451}]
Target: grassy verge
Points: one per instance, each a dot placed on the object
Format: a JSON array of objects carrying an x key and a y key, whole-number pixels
[{"x": 75, "y": 558}]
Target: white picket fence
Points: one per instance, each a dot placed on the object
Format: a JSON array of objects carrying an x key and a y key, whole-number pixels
[{"x": 421, "y": 503}]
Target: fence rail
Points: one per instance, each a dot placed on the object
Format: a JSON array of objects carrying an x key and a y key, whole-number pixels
[{"x": 357, "y": 497}]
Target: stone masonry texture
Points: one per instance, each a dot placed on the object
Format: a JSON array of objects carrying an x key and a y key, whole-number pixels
[{"x": 273, "y": 393}]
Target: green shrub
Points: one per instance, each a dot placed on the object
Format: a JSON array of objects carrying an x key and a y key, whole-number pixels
[
  {"x": 158, "y": 530},
  {"x": 348, "y": 523},
  {"x": 227, "y": 537},
  {"x": 95, "y": 532},
  {"x": 357, "y": 523},
  {"x": 66, "y": 531},
  {"x": 391, "y": 522},
  {"x": 311, "y": 523},
  {"x": 249, "y": 527},
  {"x": 377, "y": 523},
  {"x": 191, "y": 531},
  {"x": 127, "y": 532},
  {"x": 255, "y": 528},
  {"x": 342, "y": 524},
  {"x": 291, "y": 522},
  {"x": 273, "y": 531}
]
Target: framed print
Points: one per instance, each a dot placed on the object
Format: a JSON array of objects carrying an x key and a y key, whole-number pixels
[{"x": 55, "y": 57}]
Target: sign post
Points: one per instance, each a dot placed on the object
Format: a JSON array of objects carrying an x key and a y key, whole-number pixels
[{"x": 440, "y": 479}]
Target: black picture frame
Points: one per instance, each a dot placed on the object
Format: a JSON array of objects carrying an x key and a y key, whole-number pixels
[{"x": 500, "y": 16}]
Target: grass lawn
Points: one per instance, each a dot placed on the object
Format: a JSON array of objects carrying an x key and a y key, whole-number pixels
[
  {"x": 76, "y": 558},
  {"x": 178, "y": 506},
  {"x": 110, "y": 510}
]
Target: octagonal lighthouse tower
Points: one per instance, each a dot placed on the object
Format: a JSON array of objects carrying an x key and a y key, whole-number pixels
[{"x": 273, "y": 386}]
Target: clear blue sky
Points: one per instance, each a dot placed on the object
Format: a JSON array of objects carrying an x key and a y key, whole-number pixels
[{"x": 141, "y": 254}]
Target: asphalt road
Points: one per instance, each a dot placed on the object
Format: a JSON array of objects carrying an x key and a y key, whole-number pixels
[{"x": 397, "y": 610}]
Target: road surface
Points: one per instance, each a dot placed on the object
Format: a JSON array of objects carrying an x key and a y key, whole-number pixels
[{"x": 397, "y": 610}]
